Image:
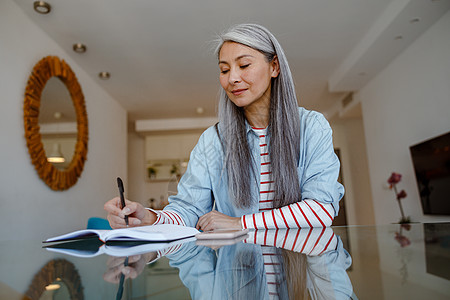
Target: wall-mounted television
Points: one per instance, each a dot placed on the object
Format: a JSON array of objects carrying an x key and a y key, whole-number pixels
[{"x": 431, "y": 160}]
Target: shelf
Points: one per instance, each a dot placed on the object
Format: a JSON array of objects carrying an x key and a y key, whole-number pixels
[{"x": 165, "y": 170}]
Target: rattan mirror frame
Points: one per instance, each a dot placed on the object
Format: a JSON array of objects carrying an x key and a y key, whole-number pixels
[{"x": 46, "y": 68}]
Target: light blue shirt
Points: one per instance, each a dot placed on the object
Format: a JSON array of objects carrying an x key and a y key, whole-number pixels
[{"x": 205, "y": 179}]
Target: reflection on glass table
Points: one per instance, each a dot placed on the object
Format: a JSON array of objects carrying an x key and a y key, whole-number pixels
[
  {"x": 387, "y": 262},
  {"x": 272, "y": 264}
]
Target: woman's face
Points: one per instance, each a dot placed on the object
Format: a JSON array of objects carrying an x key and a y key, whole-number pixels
[{"x": 245, "y": 74}]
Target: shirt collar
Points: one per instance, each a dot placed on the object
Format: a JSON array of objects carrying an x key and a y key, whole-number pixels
[{"x": 247, "y": 127}]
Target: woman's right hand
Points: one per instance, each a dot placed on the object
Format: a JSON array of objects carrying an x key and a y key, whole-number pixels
[
  {"x": 137, "y": 214},
  {"x": 136, "y": 265}
]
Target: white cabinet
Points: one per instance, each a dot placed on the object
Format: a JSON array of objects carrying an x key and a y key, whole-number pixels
[{"x": 167, "y": 155}]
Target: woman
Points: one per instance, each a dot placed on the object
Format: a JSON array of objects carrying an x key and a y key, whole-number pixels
[{"x": 268, "y": 164}]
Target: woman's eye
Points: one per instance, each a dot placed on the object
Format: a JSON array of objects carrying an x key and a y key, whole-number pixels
[
  {"x": 224, "y": 71},
  {"x": 245, "y": 66}
]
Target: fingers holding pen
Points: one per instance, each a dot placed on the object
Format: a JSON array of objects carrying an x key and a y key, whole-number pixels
[
  {"x": 119, "y": 222},
  {"x": 113, "y": 206},
  {"x": 116, "y": 215},
  {"x": 129, "y": 209},
  {"x": 137, "y": 214},
  {"x": 113, "y": 213}
]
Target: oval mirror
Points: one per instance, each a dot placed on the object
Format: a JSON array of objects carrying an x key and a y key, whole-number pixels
[
  {"x": 57, "y": 121},
  {"x": 57, "y": 177}
]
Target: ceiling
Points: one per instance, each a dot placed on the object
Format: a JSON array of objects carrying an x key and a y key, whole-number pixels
[{"x": 160, "y": 53}]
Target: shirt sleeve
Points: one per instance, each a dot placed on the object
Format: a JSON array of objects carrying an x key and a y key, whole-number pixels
[
  {"x": 319, "y": 168},
  {"x": 311, "y": 241},
  {"x": 308, "y": 213},
  {"x": 167, "y": 217},
  {"x": 167, "y": 251}
]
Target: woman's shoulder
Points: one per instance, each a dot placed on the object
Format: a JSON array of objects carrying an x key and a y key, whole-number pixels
[
  {"x": 310, "y": 119},
  {"x": 210, "y": 135}
]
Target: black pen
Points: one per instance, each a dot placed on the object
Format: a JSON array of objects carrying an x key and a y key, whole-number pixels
[{"x": 122, "y": 199}]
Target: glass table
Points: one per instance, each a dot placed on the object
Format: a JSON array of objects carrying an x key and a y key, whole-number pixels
[{"x": 350, "y": 262}]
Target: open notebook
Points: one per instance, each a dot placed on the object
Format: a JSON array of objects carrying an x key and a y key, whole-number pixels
[
  {"x": 153, "y": 233},
  {"x": 93, "y": 247}
]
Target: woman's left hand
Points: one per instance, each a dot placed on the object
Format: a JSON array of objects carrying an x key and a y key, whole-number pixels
[{"x": 216, "y": 220}]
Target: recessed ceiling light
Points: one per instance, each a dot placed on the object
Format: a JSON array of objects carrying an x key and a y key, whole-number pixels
[
  {"x": 104, "y": 75},
  {"x": 79, "y": 48},
  {"x": 200, "y": 110},
  {"x": 415, "y": 20},
  {"x": 42, "y": 7}
]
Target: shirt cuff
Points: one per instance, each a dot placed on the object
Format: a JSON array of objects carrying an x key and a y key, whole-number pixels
[
  {"x": 243, "y": 222},
  {"x": 169, "y": 250},
  {"x": 167, "y": 217},
  {"x": 158, "y": 215}
]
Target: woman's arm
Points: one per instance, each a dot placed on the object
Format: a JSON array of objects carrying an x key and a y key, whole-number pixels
[
  {"x": 167, "y": 217},
  {"x": 310, "y": 241},
  {"x": 304, "y": 214}
]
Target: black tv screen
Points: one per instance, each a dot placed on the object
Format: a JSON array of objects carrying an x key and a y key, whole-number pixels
[{"x": 431, "y": 160}]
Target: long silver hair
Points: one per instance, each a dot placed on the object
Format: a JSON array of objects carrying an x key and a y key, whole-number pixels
[{"x": 283, "y": 129}]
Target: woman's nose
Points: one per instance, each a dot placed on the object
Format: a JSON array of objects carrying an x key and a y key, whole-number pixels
[{"x": 235, "y": 76}]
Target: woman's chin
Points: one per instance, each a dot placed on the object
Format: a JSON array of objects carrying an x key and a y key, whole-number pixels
[{"x": 239, "y": 102}]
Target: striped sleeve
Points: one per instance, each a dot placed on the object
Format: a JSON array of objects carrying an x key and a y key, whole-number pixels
[
  {"x": 308, "y": 213},
  {"x": 310, "y": 241},
  {"x": 167, "y": 217},
  {"x": 169, "y": 250},
  {"x": 164, "y": 252}
]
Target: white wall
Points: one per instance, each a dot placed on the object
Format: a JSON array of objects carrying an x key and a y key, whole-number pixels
[
  {"x": 406, "y": 103},
  {"x": 136, "y": 169},
  {"x": 348, "y": 137},
  {"x": 28, "y": 208}
]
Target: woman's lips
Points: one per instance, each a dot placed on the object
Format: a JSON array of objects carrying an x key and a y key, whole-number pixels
[{"x": 238, "y": 92}]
